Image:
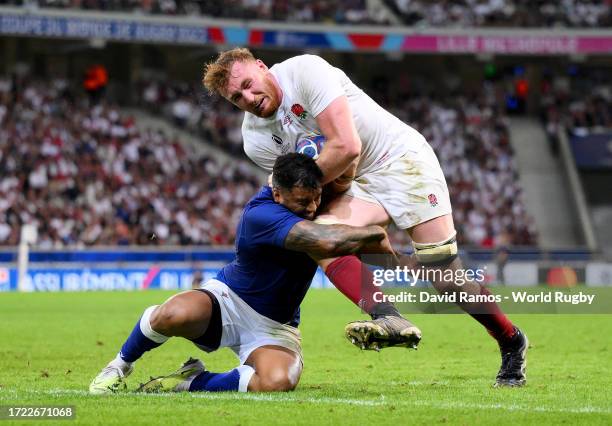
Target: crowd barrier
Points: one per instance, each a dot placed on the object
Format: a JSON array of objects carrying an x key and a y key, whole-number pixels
[{"x": 180, "y": 268}]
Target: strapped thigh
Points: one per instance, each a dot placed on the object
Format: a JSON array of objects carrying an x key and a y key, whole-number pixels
[{"x": 434, "y": 254}]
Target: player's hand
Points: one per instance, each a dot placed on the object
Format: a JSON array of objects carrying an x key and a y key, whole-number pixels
[
  {"x": 343, "y": 182},
  {"x": 387, "y": 248},
  {"x": 383, "y": 247},
  {"x": 340, "y": 186}
]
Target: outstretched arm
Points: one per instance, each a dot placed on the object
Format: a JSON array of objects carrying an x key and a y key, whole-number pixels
[{"x": 326, "y": 241}]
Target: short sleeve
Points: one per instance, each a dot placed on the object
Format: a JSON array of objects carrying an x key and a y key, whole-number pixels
[
  {"x": 256, "y": 149},
  {"x": 319, "y": 83},
  {"x": 269, "y": 224}
]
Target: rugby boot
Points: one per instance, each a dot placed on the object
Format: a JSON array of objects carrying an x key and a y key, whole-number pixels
[
  {"x": 384, "y": 331},
  {"x": 514, "y": 361},
  {"x": 174, "y": 382},
  {"x": 110, "y": 380}
]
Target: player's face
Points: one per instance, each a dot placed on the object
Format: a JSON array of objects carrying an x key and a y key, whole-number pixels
[
  {"x": 252, "y": 88},
  {"x": 304, "y": 202}
]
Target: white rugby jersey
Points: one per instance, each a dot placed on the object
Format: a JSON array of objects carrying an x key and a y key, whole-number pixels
[{"x": 309, "y": 84}]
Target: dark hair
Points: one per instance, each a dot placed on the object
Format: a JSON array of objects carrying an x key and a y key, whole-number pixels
[{"x": 293, "y": 169}]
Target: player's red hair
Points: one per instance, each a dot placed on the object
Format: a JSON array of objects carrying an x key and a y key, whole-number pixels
[{"x": 216, "y": 73}]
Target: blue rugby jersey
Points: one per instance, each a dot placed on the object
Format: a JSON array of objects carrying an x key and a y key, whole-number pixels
[{"x": 269, "y": 278}]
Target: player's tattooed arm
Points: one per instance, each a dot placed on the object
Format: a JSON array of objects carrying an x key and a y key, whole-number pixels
[{"x": 325, "y": 241}]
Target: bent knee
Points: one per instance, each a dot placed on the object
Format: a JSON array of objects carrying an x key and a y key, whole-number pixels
[
  {"x": 276, "y": 385},
  {"x": 175, "y": 315},
  {"x": 277, "y": 382},
  {"x": 167, "y": 317}
]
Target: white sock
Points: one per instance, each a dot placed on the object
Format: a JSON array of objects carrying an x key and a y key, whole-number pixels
[
  {"x": 246, "y": 372},
  {"x": 121, "y": 364},
  {"x": 145, "y": 326}
]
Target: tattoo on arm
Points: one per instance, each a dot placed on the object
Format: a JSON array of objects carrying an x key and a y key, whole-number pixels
[{"x": 323, "y": 241}]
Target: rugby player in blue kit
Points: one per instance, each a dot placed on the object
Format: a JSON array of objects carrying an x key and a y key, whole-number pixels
[{"x": 253, "y": 305}]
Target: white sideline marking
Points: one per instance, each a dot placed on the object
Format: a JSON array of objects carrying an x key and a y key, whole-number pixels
[
  {"x": 286, "y": 398},
  {"x": 326, "y": 400}
]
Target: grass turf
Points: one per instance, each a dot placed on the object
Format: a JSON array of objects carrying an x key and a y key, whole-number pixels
[{"x": 53, "y": 344}]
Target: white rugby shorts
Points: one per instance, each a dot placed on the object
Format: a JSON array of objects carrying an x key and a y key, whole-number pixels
[
  {"x": 244, "y": 329},
  {"x": 411, "y": 189}
]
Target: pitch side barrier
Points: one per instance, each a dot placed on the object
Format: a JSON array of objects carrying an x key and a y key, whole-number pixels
[
  {"x": 186, "y": 30},
  {"x": 143, "y": 268}
]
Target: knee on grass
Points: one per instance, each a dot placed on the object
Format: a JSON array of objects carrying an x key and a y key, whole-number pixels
[{"x": 275, "y": 381}]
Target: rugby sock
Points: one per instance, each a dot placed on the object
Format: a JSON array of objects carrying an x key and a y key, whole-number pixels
[
  {"x": 494, "y": 320},
  {"x": 142, "y": 339},
  {"x": 354, "y": 280},
  {"x": 236, "y": 380}
]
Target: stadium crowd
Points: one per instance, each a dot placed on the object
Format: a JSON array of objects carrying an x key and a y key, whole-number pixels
[
  {"x": 213, "y": 119},
  {"x": 319, "y": 11},
  {"x": 460, "y": 13},
  {"x": 579, "y": 101},
  {"x": 86, "y": 174},
  {"x": 471, "y": 139},
  {"x": 504, "y": 13}
]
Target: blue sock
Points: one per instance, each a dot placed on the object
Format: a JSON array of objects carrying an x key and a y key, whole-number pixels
[
  {"x": 235, "y": 380},
  {"x": 142, "y": 339}
]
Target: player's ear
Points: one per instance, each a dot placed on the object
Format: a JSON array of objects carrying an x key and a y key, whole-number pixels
[
  {"x": 276, "y": 194},
  {"x": 260, "y": 64}
]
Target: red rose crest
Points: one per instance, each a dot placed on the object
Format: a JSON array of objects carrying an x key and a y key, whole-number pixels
[
  {"x": 433, "y": 201},
  {"x": 298, "y": 110}
]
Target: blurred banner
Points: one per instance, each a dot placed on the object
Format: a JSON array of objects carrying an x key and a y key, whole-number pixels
[
  {"x": 182, "y": 276},
  {"x": 593, "y": 151},
  {"x": 83, "y": 278},
  {"x": 599, "y": 274},
  {"x": 124, "y": 27}
]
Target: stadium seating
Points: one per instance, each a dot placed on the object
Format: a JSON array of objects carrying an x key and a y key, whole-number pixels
[
  {"x": 86, "y": 175},
  {"x": 131, "y": 185},
  {"x": 448, "y": 13},
  {"x": 470, "y": 138},
  {"x": 578, "y": 101},
  {"x": 320, "y": 11},
  {"x": 503, "y": 13}
]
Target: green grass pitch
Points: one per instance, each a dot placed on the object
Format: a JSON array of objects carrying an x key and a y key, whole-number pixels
[{"x": 53, "y": 344}]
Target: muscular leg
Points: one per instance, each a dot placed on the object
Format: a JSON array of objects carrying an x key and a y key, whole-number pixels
[
  {"x": 356, "y": 282},
  {"x": 512, "y": 342},
  {"x": 186, "y": 314},
  {"x": 347, "y": 273},
  {"x": 351, "y": 211},
  {"x": 276, "y": 369},
  {"x": 487, "y": 313}
]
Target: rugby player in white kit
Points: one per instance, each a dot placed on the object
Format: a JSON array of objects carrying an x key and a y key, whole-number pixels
[{"x": 380, "y": 169}]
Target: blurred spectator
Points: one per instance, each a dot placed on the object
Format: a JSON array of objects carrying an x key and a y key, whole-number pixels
[
  {"x": 432, "y": 13},
  {"x": 470, "y": 135},
  {"x": 460, "y": 13},
  {"x": 504, "y": 13},
  {"x": 213, "y": 119},
  {"x": 579, "y": 101},
  {"x": 320, "y": 11},
  {"x": 86, "y": 175},
  {"x": 471, "y": 139}
]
